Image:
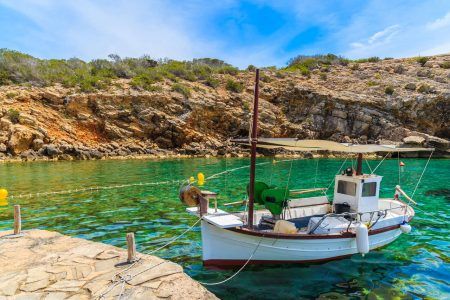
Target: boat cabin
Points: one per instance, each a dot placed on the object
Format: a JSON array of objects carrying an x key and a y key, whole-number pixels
[{"x": 356, "y": 193}]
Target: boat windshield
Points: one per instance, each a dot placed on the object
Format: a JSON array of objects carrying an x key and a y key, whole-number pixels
[{"x": 346, "y": 188}]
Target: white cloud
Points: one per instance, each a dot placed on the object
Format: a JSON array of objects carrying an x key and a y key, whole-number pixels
[
  {"x": 440, "y": 23},
  {"x": 379, "y": 38},
  {"x": 91, "y": 29},
  {"x": 384, "y": 35}
]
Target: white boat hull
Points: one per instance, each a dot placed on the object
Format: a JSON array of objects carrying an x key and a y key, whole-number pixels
[{"x": 222, "y": 247}]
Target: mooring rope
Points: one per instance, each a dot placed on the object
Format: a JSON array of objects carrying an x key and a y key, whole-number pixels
[
  {"x": 119, "y": 279},
  {"x": 237, "y": 272},
  {"x": 119, "y": 186},
  {"x": 94, "y": 188}
]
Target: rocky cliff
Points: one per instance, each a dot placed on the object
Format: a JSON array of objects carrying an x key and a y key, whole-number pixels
[{"x": 394, "y": 100}]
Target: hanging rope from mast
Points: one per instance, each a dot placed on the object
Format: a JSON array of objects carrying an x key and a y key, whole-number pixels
[
  {"x": 379, "y": 164},
  {"x": 421, "y": 175}
]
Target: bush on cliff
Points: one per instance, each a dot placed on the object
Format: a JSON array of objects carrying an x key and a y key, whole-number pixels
[
  {"x": 372, "y": 59},
  {"x": 234, "y": 86},
  {"x": 212, "y": 82},
  {"x": 422, "y": 60},
  {"x": 315, "y": 61},
  {"x": 14, "y": 115},
  {"x": 146, "y": 80},
  {"x": 389, "y": 90},
  {"x": 182, "y": 89}
]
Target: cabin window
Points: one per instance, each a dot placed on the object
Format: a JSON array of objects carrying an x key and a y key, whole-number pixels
[
  {"x": 369, "y": 189},
  {"x": 346, "y": 188}
]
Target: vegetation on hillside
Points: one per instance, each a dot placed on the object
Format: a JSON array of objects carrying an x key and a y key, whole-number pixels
[{"x": 144, "y": 72}]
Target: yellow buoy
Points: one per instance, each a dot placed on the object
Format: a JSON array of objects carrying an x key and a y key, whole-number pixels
[
  {"x": 3, "y": 196},
  {"x": 201, "y": 179},
  {"x": 191, "y": 179}
]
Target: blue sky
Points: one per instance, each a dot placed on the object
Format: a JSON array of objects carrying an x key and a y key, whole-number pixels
[{"x": 255, "y": 32}]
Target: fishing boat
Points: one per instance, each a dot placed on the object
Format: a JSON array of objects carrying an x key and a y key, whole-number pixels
[{"x": 291, "y": 227}]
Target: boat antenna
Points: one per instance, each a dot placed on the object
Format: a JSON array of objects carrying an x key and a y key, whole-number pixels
[{"x": 254, "y": 141}]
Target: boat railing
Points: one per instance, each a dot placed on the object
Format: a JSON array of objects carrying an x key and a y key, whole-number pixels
[{"x": 357, "y": 217}]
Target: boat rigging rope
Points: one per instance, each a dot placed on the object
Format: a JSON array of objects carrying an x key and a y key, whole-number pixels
[
  {"x": 421, "y": 175},
  {"x": 317, "y": 171},
  {"x": 238, "y": 271},
  {"x": 119, "y": 279},
  {"x": 379, "y": 164},
  {"x": 399, "y": 169},
  {"x": 339, "y": 171},
  {"x": 368, "y": 165}
]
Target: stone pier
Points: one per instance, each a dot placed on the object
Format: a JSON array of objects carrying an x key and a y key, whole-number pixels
[{"x": 47, "y": 265}]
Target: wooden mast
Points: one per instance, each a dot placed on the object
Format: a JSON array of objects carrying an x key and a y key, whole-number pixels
[
  {"x": 254, "y": 140},
  {"x": 359, "y": 164}
]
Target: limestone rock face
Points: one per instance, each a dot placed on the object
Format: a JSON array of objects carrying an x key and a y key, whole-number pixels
[
  {"x": 21, "y": 139},
  {"x": 349, "y": 105}
]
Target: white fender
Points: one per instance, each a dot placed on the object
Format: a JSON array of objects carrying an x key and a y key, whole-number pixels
[
  {"x": 362, "y": 239},
  {"x": 405, "y": 228}
]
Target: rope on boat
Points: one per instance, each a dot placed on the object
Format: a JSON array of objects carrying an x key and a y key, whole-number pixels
[
  {"x": 332, "y": 180},
  {"x": 379, "y": 164},
  {"x": 421, "y": 175},
  {"x": 368, "y": 165},
  {"x": 123, "y": 279},
  {"x": 237, "y": 272}
]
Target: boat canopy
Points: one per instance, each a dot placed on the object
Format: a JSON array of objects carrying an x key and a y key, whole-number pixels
[{"x": 293, "y": 144}]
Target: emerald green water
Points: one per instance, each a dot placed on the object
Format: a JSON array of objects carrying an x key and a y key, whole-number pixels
[{"x": 415, "y": 266}]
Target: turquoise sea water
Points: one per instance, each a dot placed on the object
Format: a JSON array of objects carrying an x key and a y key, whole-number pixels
[{"x": 413, "y": 267}]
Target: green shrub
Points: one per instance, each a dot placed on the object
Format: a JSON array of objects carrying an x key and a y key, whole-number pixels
[
  {"x": 422, "y": 60},
  {"x": 354, "y": 67},
  {"x": 372, "y": 59},
  {"x": 146, "y": 80},
  {"x": 234, "y": 86},
  {"x": 20, "y": 68},
  {"x": 265, "y": 78},
  {"x": 389, "y": 90},
  {"x": 280, "y": 74},
  {"x": 315, "y": 61},
  {"x": 11, "y": 95},
  {"x": 377, "y": 75},
  {"x": 182, "y": 89},
  {"x": 202, "y": 72},
  {"x": 14, "y": 115},
  {"x": 228, "y": 70},
  {"x": 323, "y": 75},
  {"x": 251, "y": 68},
  {"x": 372, "y": 83},
  {"x": 445, "y": 65},
  {"x": 212, "y": 82}
]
